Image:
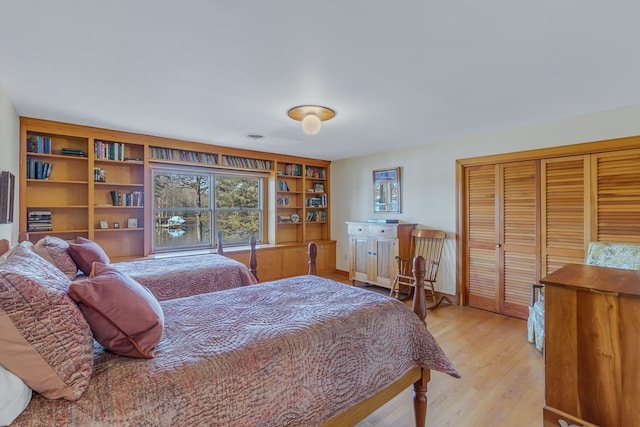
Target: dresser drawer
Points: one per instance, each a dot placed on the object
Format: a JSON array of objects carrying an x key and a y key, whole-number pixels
[
  {"x": 386, "y": 231},
  {"x": 359, "y": 229}
]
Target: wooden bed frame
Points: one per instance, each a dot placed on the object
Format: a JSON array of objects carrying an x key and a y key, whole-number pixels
[{"x": 419, "y": 377}]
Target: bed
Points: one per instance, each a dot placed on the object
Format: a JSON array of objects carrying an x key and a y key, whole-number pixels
[
  {"x": 303, "y": 351},
  {"x": 181, "y": 276},
  {"x": 171, "y": 276}
]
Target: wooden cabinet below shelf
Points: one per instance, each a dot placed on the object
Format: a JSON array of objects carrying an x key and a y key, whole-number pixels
[{"x": 278, "y": 262}]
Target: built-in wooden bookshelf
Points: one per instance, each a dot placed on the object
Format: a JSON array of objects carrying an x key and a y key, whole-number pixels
[
  {"x": 118, "y": 197},
  {"x": 289, "y": 203},
  {"x": 77, "y": 191}
]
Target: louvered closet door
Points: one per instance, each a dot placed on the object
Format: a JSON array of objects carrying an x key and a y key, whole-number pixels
[
  {"x": 565, "y": 211},
  {"x": 518, "y": 241},
  {"x": 481, "y": 261},
  {"x": 616, "y": 178},
  {"x": 502, "y": 215}
]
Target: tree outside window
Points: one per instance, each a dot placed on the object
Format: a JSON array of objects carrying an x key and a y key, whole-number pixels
[{"x": 185, "y": 214}]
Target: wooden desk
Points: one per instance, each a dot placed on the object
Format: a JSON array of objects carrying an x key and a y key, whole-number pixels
[{"x": 592, "y": 346}]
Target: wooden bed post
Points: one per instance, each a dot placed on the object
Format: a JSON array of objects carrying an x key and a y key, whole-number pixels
[
  {"x": 220, "y": 248},
  {"x": 253, "y": 263},
  {"x": 312, "y": 252},
  {"x": 420, "y": 308}
]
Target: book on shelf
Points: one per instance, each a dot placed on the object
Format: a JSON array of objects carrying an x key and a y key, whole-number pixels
[
  {"x": 162, "y": 153},
  {"x": 108, "y": 150},
  {"x": 283, "y": 186},
  {"x": 246, "y": 162},
  {"x": 121, "y": 198},
  {"x": 39, "y": 221},
  {"x": 317, "y": 202},
  {"x": 73, "y": 152},
  {"x": 282, "y": 200},
  {"x": 316, "y": 216},
  {"x": 284, "y": 218},
  {"x": 293, "y": 169},
  {"x": 313, "y": 172},
  {"x": 39, "y": 144},
  {"x": 37, "y": 169}
]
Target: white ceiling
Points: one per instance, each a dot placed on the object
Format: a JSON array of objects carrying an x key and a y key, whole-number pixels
[{"x": 398, "y": 73}]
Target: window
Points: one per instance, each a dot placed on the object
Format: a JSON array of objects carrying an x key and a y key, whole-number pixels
[{"x": 190, "y": 207}]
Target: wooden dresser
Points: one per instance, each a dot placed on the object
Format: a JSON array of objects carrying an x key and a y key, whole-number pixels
[
  {"x": 373, "y": 248},
  {"x": 592, "y": 346}
]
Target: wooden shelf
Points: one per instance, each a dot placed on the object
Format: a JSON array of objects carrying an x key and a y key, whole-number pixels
[{"x": 78, "y": 203}]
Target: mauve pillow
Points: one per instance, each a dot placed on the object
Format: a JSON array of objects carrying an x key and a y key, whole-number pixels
[
  {"x": 124, "y": 316},
  {"x": 54, "y": 250},
  {"x": 85, "y": 252},
  {"x": 45, "y": 339}
]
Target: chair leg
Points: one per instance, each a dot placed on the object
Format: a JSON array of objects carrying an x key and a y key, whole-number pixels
[
  {"x": 433, "y": 292},
  {"x": 394, "y": 287}
]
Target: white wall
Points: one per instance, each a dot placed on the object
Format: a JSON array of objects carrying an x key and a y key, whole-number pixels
[
  {"x": 9, "y": 159},
  {"x": 428, "y": 175}
]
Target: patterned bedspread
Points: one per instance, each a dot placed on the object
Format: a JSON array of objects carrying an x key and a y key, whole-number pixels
[
  {"x": 292, "y": 352},
  {"x": 181, "y": 276}
]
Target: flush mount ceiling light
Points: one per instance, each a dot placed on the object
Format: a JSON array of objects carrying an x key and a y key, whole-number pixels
[{"x": 311, "y": 117}]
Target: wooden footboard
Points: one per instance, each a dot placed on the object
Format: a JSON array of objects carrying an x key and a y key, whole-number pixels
[{"x": 419, "y": 377}]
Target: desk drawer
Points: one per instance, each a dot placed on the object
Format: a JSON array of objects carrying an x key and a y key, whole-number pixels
[
  {"x": 386, "y": 231},
  {"x": 359, "y": 229}
]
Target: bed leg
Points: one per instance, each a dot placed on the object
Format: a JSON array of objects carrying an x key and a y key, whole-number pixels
[{"x": 420, "y": 398}]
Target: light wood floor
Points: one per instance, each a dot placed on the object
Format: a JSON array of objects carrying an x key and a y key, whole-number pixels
[{"x": 502, "y": 380}]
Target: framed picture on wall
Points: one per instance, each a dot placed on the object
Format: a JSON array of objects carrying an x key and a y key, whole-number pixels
[
  {"x": 386, "y": 190},
  {"x": 7, "y": 195}
]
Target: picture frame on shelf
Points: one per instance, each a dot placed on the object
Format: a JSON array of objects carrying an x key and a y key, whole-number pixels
[
  {"x": 318, "y": 187},
  {"x": 132, "y": 223},
  {"x": 116, "y": 224},
  {"x": 104, "y": 224}
]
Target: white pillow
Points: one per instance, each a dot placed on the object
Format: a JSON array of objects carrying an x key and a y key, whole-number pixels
[{"x": 14, "y": 396}]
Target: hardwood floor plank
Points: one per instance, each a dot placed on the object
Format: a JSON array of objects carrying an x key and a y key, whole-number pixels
[{"x": 502, "y": 380}]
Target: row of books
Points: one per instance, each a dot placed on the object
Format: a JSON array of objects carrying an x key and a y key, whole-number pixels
[
  {"x": 39, "y": 144},
  {"x": 108, "y": 150},
  {"x": 245, "y": 162},
  {"x": 39, "y": 221},
  {"x": 313, "y": 172},
  {"x": 317, "y": 202},
  {"x": 283, "y": 186},
  {"x": 282, "y": 200},
  {"x": 183, "y": 155},
  {"x": 316, "y": 216},
  {"x": 120, "y": 198},
  {"x": 293, "y": 170},
  {"x": 37, "y": 169}
]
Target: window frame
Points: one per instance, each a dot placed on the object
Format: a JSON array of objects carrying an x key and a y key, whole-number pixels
[{"x": 212, "y": 173}]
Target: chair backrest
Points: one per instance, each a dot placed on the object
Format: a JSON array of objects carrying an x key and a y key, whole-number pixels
[
  {"x": 616, "y": 255},
  {"x": 428, "y": 243}
]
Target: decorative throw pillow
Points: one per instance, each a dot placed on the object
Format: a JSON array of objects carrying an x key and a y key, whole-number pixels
[
  {"x": 15, "y": 395},
  {"x": 45, "y": 340},
  {"x": 124, "y": 316},
  {"x": 54, "y": 250},
  {"x": 85, "y": 252}
]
